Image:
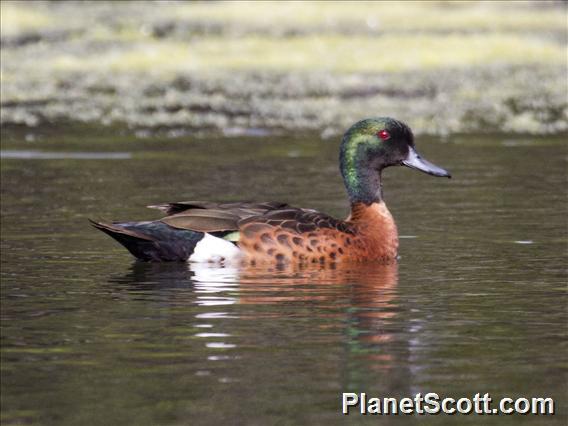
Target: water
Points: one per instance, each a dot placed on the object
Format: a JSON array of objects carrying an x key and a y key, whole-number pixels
[{"x": 477, "y": 302}]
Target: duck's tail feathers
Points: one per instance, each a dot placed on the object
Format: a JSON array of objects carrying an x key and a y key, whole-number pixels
[{"x": 152, "y": 241}]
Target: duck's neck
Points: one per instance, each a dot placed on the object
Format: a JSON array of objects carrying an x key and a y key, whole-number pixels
[
  {"x": 362, "y": 181},
  {"x": 375, "y": 225}
]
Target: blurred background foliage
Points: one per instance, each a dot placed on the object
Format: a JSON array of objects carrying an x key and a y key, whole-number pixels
[{"x": 280, "y": 67}]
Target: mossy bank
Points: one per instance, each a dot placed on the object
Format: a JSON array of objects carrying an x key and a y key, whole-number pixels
[{"x": 240, "y": 68}]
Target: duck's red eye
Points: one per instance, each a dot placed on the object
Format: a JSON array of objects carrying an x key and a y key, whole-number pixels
[{"x": 384, "y": 135}]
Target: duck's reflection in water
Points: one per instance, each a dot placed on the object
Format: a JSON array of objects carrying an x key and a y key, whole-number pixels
[
  {"x": 354, "y": 306},
  {"x": 361, "y": 298}
]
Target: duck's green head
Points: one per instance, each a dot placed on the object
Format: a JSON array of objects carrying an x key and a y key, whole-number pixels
[{"x": 371, "y": 145}]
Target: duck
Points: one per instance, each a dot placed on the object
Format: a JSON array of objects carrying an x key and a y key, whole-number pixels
[{"x": 278, "y": 233}]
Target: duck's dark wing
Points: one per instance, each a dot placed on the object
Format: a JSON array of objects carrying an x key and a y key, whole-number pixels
[
  {"x": 203, "y": 220},
  {"x": 205, "y": 216}
]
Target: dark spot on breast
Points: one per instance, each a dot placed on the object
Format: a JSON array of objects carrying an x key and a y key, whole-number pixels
[
  {"x": 340, "y": 250},
  {"x": 256, "y": 247},
  {"x": 271, "y": 251},
  {"x": 313, "y": 242},
  {"x": 251, "y": 230},
  {"x": 266, "y": 238},
  {"x": 280, "y": 257},
  {"x": 297, "y": 240},
  {"x": 295, "y": 254},
  {"x": 332, "y": 255},
  {"x": 309, "y": 249},
  {"x": 322, "y": 259},
  {"x": 347, "y": 241},
  {"x": 348, "y": 229},
  {"x": 333, "y": 245},
  {"x": 283, "y": 239}
]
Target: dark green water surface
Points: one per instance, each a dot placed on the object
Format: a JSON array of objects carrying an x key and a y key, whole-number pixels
[{"x": 477, "y": 303}]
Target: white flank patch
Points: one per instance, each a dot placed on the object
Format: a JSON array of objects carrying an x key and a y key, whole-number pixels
[{"x": 213, "y": 249}]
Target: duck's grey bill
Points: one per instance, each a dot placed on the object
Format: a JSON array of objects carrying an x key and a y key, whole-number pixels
[{"x": 415, "y": 161}]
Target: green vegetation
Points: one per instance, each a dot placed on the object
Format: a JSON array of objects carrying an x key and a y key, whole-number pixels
[{"x": 236, "y": 67}]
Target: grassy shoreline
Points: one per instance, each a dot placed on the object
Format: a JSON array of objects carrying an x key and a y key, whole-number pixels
[{"x": 234, "y": 68}]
